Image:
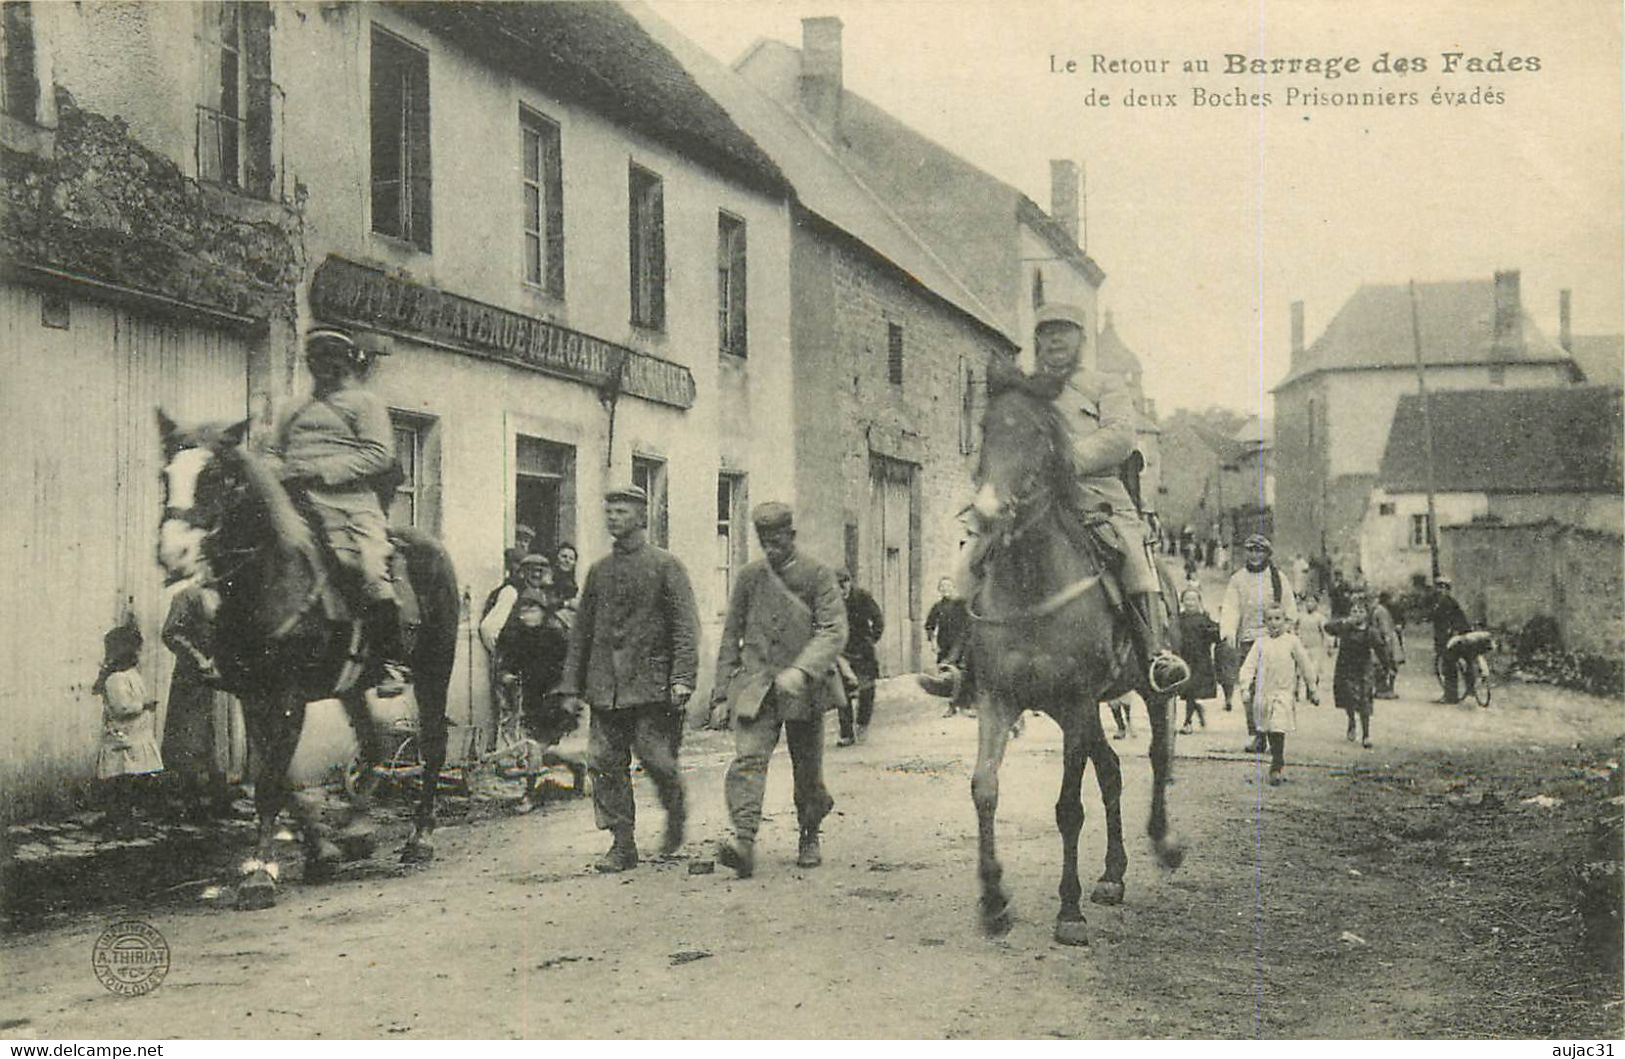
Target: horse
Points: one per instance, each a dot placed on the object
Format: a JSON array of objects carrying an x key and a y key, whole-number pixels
[
  {"x": 226, "y": 511},
  {"x": 1045, "y": 635}
]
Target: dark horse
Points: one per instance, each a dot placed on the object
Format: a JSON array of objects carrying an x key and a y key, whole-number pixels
[
  {"x": 279, "y": 649},
  {"x": 1045, "y": 635}
]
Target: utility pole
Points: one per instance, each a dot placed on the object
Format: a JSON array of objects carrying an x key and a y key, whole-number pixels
[{"x": 1427, "y": 434}]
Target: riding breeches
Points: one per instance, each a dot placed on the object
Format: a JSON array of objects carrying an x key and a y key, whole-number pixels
[
  {"x": 356, "y": 530},
  {"x": 1136, "y": 575}
]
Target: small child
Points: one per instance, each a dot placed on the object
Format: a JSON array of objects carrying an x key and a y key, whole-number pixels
[
  {"x": 1198, "y": 639},
  {"x": 1362, "y": 653},
  {"x": 129, "y": 747},
  {"x": 1273, "y": 670}
]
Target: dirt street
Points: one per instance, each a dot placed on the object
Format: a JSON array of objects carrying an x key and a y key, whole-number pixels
[{"x": 1407, "y": 890}]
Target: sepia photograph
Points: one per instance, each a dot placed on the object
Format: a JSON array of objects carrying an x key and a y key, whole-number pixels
[{"x": 1157, "y": 469}]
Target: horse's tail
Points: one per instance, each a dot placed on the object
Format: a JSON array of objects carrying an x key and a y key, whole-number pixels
[{"x": 434, "y": 580}]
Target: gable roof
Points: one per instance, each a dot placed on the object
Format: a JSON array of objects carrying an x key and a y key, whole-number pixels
[
  {"x": 819, "y": 182},
  {"x": 1561, "y": 439},
  {"x": 1600, "y": 357},
  {"x": 596, "y": 55},
  {"x": 965, "y": 214},
  {"x": 1457, "y": 322}
]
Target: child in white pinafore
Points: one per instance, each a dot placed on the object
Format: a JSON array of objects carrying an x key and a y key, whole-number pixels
[
  {"x": 129, "y": 747},
  {"x": 1273, "y": 669}
]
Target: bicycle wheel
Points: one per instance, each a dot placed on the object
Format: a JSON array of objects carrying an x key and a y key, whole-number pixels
[
  {"x": 1481, "y": 686},
  {"x": 1438, "y": 668}
]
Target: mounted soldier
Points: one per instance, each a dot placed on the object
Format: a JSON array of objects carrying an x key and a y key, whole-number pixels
[
  {"x": 1099, "y": 412},
  {"x": 338, "y": 457}
]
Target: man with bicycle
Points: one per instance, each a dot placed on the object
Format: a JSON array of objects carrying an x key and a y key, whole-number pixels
[{"x": 1449, "y": 621}]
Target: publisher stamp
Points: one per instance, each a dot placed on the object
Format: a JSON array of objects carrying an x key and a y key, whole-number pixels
[{"x": 130, "y": 958}]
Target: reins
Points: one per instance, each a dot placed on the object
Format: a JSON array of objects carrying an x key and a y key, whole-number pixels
[{"x": 1036, "y": 508}]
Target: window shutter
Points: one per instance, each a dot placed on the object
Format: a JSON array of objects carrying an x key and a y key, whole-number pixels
[
  {"x": 736, "y": 306},
  {"x": 657, "y": 254},
  {"x": 634, "y": 247},
  {"x": 417, "y": 140},
  {"x": 553, "y": 174},
  {"x": 259, "y": 171}
]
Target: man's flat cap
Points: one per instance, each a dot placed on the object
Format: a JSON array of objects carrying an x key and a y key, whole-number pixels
[
  {"x": 772, "y": 516},
  {"x": 534, "y": 560},
  {"x": 633, "y": 493},
  {"x": 1059, "y": 313}
]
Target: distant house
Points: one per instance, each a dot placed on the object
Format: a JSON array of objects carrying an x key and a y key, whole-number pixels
[
  {"x": 1012, "y": 254},
  {"x": 1220, "y": 487},
  {"x": 1500, "y": 456},
  {"x": 1601, "y": 358},
  {"x": 1334, "y": 407}
]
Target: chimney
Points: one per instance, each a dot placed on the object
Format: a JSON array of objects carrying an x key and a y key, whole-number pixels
[
  {"x": 1297, "y": 330},
  {"x": 1063, "y": 195},
  {"x": 1565, "y": 324},
  {"x": 820, "y": 81},
  {"x": 1508, "y": 334}
]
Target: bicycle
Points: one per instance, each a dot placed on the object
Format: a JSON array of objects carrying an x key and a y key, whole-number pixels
[{"x": 1477, "y": 645}]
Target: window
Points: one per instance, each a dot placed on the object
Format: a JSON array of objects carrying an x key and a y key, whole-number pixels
[
  {"x": 400, "y": 140},
  {"x": 894, "y": 353},
  {"x": 731, "y": 543},
  {"x": 967, "y": 407},
  {"x": 649, "y": 474},
  {"x": 647, "y": 232},
  {"x": 1311, "y": 423},
  {"x": 1385, "y": 508},
  {"x": 1419, "y": 531},
  {"x": 20, "y": 86},
  {"x": 544, "y": 203},
  {"x": 1038, "y": 287},
  {"x": 730, "y": 285},
  {"x": 224, "y": 89},
  {"x": 544, "y": 491},
  {"x": 416, "y": 497}
]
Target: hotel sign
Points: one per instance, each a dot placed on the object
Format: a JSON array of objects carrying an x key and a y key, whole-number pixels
[{"x": 345, "y": 292}]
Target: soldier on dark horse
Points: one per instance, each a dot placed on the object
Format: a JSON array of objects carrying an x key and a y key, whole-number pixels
[
  {"x": 311, "y": 615},
  {"x": 1067, "y": 605}
]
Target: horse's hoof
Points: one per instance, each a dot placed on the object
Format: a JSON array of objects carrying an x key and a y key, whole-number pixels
[
  {"x": 1071, "y": 932},
  {"x": 358, "y": 844},
  {"x": 1171, "y": 852},
  {"x": 996, "y": 917},
  {"x": 1106, "y": 893},
  {"x": 419, "y": 849},
  {"x": 256, "y": 892},
  {"x": 321, "y": 862}
]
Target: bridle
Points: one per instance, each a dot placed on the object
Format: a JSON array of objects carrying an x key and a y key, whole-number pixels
[{"x": 1020, "y": 514}]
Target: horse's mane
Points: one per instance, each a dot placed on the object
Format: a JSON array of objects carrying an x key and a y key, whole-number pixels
[
  {"x": 291, "y": 530},
  {"x": 1040, "y": 390}
]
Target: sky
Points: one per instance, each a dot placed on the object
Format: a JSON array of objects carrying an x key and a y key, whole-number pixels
[{"x": 1209, "y": 221}]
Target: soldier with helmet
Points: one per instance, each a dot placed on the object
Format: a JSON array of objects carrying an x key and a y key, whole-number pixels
[
  {"x": 335, "y": 451},
  {"x": 1099, "y": 409}
]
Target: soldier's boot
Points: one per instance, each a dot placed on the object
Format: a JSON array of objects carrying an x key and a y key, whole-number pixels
[
  {"x": 383, "y": 623},
  {"x": 622, "y": 854},
  {"x": 1165, "y": 670},
  {"x": 740, "y": 855},
  {"x": 809, "y": 855}
]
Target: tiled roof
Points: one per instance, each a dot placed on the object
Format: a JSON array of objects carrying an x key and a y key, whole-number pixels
[
  {"x": 597, "y": 55},
  {"x": 1601, "y": 358},
  {"x": 821, "y": 183},
  {"x": 1561, "y": 439},
  {"x": 1373, "y": 330},
  {"x": 965, "y": 214}
]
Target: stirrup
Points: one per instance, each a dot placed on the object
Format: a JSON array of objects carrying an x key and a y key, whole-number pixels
[
  {"x": 392, "y": 680},
  {"x": 1167, "y": 672},
  {"x": 943, "y": 682}
]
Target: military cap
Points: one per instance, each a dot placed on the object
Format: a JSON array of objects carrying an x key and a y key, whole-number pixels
[
  {"x": 772, "y": 516},
  {"x": 1059, "y": 313},
  {"x": 534, "y": 560},
  {"x": 633, "y": 493},
  {"x": 1258, "y": 540}
]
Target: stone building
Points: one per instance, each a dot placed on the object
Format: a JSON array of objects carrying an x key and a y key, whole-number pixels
[
  {"x": 581, "y": 263},
  {"x": 1334, "y": 407},
  {"x": 910, "y": 267},
  {"x": 1516, "y": 457}
]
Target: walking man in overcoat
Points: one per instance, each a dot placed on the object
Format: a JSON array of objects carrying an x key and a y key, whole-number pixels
[
  {"x": 786, "y": 625},
  {"x": 633, "y": 659}
]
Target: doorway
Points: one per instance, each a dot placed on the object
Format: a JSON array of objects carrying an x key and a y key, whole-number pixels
[{"x": 544, "y": 491}]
